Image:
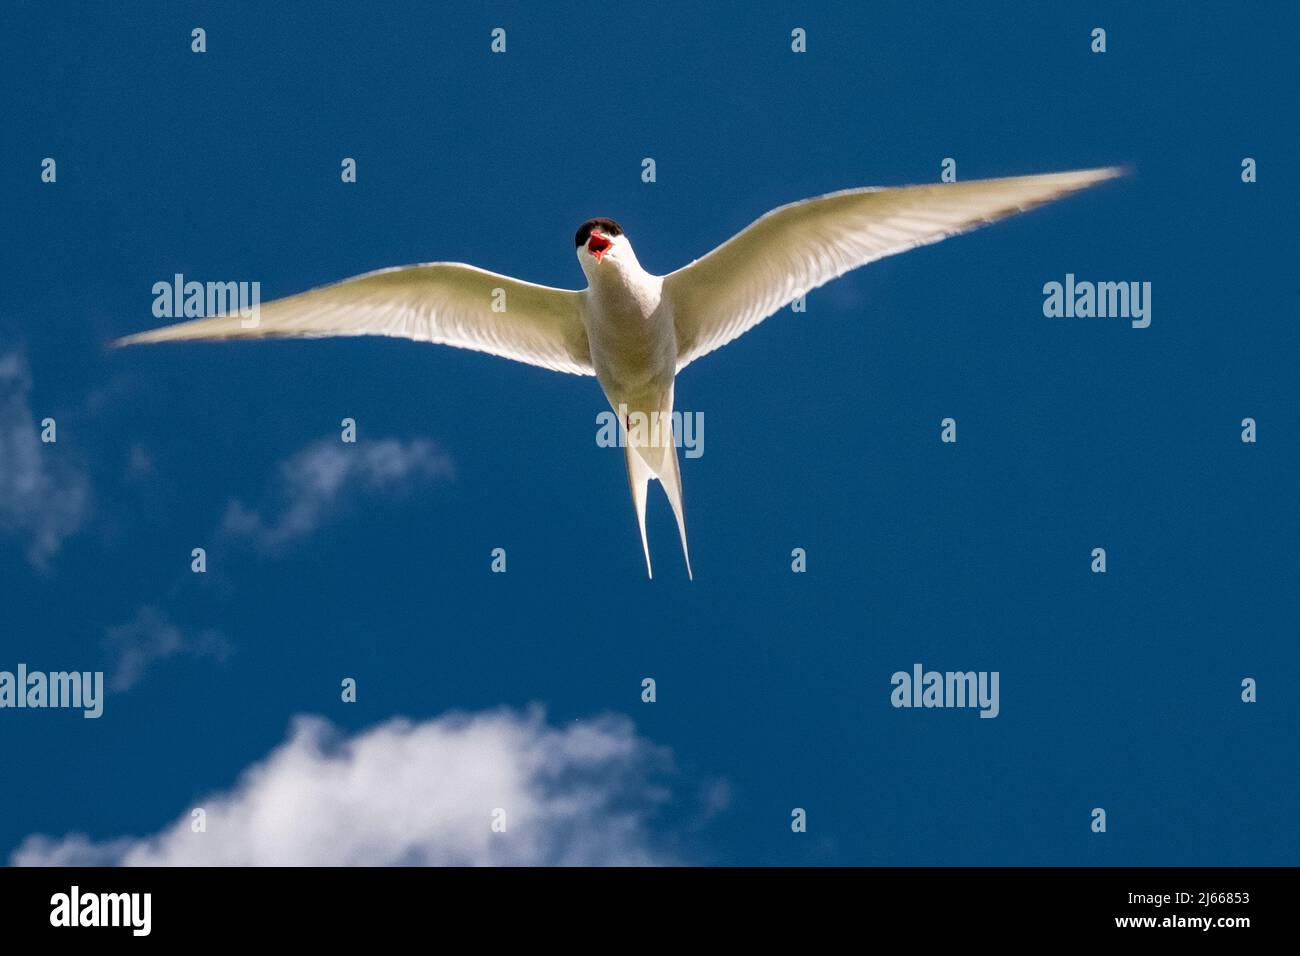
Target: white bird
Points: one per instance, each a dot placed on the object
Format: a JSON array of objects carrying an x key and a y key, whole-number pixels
[{"x": 632, "y": 330}]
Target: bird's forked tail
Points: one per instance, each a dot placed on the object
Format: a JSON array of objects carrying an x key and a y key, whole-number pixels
[{"x": 639, "y": 474}]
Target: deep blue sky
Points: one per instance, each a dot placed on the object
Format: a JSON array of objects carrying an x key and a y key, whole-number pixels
[{"x": 1119, "y": 691}]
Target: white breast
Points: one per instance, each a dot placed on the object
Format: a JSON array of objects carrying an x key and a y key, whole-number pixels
[{"x": 633, "y": 342}]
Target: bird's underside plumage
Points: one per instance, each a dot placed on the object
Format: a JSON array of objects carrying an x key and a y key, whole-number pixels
[{"x": 632, "y": 330}]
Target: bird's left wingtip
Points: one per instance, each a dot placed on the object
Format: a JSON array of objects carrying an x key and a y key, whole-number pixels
[
  {"x": 137, "y": 338},
  {"x": 1100, "y": 174}
]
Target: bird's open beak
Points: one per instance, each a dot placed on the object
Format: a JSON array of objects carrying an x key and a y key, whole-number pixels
[{"x": 598, "y": 245}]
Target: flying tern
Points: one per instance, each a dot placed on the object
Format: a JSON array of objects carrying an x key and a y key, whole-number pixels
[{"x": 632, "y": 330}]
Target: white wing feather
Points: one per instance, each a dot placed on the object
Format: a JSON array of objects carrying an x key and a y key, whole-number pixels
[
  {"x": 796, "y": 248},
  {"x": 444, "y": 302}
]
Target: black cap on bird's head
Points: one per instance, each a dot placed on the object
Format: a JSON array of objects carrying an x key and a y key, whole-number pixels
[{"x": 596, "y": 234}]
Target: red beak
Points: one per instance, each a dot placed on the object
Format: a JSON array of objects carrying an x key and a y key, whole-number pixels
[{"x": 598, "y": 245}]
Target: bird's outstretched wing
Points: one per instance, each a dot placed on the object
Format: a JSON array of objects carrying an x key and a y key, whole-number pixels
[
  {"x": 796, "y": 248},
  {"x": 445, "y": 302}
]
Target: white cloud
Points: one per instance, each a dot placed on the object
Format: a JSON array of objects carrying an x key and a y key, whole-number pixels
[
  {"x": 43, "y": 497},
  {"x": 415, "y": 793},
  {"x": 317, "y": 480},
  {"x": 151, "y": 637}
]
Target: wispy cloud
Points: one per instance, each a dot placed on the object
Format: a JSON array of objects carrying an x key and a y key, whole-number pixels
[
  {"x": 415, "y": 793},
  {"x": 151, "y": 637},
  {"x": 43, "y": 497},
  {"x": 139, "y": 463},
  {"x": 317, "y": 481}
]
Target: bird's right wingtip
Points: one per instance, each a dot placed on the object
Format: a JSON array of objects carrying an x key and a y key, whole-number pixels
[{"x": 1100, "y": 174}]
